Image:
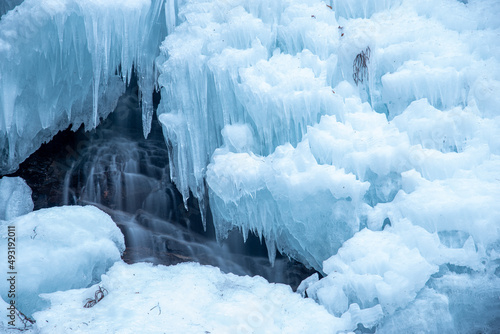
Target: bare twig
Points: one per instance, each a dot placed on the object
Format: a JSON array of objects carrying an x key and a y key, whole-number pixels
[
  {"x": 159, "y": 308},
  {"x": 360, "y": 66},
  {"x": 35, "y": 234},
  {"x": 98, "y": 296},
  {"x": 27, "y": 321}
]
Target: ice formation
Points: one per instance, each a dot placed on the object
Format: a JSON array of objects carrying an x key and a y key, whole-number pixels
[
  {"x": 58, "y": 249},
  {"x": 253, "y": 193},
  {"x": 81, "y": 54},
  {"x": 15, "y": 198},
  {"x": 413, "y": 274},
  {"x": 372, "y": 266},
  {"x": 309, "y": 122},
  {"x": 359, "y": 137},
  {"x": 242, "y": 81}
]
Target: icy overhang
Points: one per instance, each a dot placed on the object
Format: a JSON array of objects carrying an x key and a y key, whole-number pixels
[{"x": 66, "y": 62}]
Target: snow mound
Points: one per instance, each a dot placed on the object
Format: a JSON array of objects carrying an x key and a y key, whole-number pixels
[
  {"x": 58, "y": 249},
  {"x": 186, "y": 298},
  {"x": 15, "y": 198}
]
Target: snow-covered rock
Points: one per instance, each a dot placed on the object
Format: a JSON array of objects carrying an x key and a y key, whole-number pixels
[
  {"x": 57, "y": 249},
  {"x": 15, "y": 198}
]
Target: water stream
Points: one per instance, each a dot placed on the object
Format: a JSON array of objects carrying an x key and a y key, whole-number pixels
[{"x": 127, "y": 176}]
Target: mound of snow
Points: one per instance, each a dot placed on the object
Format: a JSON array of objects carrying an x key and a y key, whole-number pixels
[
  {"x": 186, "y": 298},
  {"x": 58, "y": 249}
]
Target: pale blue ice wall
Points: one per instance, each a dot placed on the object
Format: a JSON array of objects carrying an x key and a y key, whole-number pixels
[{"x": 427, "y": 102}]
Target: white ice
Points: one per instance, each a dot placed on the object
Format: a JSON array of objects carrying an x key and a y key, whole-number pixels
[
  {"x": 418, "y": 279},
  {"x": 252, "y": 193},
  {"x": 275, "y": 69}
]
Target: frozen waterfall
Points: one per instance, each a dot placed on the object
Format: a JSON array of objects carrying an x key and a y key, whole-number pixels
[
  {"x": 82, "y": 54},
  {"x": 359, "y": 137}
]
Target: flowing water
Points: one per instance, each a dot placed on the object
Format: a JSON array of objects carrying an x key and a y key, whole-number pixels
[{"x": 127, "y": 176}]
